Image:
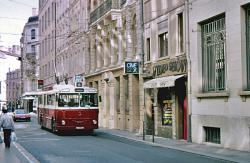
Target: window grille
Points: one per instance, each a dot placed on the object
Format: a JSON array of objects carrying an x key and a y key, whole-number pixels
[
  {"x": 213, "y": 54},
  {"x": 212, "y": 134},
  {"x": 248, "y": 46}
]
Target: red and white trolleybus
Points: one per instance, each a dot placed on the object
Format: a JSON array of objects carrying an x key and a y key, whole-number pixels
[{"x": 68, "y": 108}]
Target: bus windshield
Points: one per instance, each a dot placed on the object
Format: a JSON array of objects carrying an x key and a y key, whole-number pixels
[
  {"x": 88, "y": 100},
  {"x": 68, "y": 100}
]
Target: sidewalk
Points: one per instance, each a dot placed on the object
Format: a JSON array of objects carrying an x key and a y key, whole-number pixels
[
  {"x": 15, "y": 154},
  {"x": 205, "y": 150},
  {"x": 9, "y": 155}
]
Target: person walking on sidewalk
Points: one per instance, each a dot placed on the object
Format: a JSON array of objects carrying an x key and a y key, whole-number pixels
[{"x": 7, "y": 123}]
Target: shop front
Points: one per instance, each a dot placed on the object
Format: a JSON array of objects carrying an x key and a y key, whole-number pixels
[{"x": 165, "y": 97}]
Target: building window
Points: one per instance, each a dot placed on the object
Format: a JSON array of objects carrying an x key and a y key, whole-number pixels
[
  {"x": 248, "y": 46},
  {"x": 163, "y": 44},
  {"x": 148, "y": 49},
  {"x": 134, "y": 36},
  {"x": 213, "y": 54},
  {"x": 180, "y": 33},
  {"x": 33, "y": 48},
  {"x": 33, "y": 34},
  {"x": 117, "y": 94},
  {"x": 212, "y": 134},
  {"x": 126, "y": 93}
]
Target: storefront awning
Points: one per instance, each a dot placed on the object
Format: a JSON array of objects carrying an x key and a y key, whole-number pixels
[{"x": 168, "y": 81}]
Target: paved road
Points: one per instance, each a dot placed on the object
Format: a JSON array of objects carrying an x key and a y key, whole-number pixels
[{"x": 100, "y": 147}]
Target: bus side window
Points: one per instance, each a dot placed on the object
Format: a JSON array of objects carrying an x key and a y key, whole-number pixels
[
  {"x": 61, "y": 102},
  {"x": 56, "y": 97}
]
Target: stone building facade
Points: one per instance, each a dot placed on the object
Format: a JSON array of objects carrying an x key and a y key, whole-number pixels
[
  {"x": 62, "y": 25},
  {"x": 219, "y": 50},
  {"x": 113, "y": 40},
  {"x": 48, "y": 41},
  {"x": 13, "y": 88},
  {"x": 29, "y": 55},
  {"x": 165, "y": 69}
]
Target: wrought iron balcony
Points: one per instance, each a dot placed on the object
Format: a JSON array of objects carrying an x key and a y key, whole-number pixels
[{"x": 103, "y": 9}]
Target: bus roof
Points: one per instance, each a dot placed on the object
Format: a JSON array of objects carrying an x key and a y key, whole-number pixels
[{"x": 69, "y": 89}]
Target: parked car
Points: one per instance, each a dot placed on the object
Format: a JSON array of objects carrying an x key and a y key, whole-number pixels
[{"x": 20, "y": 114}]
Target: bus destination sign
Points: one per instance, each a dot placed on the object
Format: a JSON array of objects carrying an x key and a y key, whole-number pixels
[{"x": 79, "y": 89}]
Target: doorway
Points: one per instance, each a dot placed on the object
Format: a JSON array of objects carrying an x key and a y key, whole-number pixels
[{"x": 181, "y": 108}]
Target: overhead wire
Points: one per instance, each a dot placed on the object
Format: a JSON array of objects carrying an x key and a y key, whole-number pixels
[{"x": 21, "y": 3}]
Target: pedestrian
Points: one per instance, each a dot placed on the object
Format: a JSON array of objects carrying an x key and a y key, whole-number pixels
[{"x": 7, "y": 123}]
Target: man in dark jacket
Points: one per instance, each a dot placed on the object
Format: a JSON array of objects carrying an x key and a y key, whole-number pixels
[{"x": 7, "y": 123}]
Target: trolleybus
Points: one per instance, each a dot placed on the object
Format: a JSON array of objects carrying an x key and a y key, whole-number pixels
[{"x": 67, "y": 108}]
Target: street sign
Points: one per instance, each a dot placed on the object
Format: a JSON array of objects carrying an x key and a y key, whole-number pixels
[
  {"x": 131, "y": 67},
  {"x": 78, "y": 80},
  {"x": 40, "y": 84}
]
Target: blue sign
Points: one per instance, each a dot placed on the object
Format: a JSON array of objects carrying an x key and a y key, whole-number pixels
[{"x": 131, "y": 67}]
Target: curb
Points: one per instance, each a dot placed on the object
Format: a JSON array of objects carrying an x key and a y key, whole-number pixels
[
  {"x": 180, "y": 149},
  {"x": 30, "y": 158}
]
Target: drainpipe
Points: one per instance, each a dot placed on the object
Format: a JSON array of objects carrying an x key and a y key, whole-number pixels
[{"x": 189, "y": 96}]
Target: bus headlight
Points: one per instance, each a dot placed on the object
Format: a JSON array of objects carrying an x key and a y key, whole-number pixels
[
  {"x": 94, "y": 122},
  {"x": 63, "y": 122}
]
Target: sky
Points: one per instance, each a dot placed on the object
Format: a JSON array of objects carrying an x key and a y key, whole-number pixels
[{"x": 13, "y": 16}]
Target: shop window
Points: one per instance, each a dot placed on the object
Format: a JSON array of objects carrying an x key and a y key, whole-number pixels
[
  {"x": 212, "y": 134},
  {"x": 165, "y": 101},
  {"x": 167, "y": 114}
]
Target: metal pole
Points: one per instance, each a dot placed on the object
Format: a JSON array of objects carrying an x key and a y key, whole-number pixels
[
  {"x": 153, "y": 136},
  {"x": 153, "y": 117},
  {"x": 189, "y": 95},
  {"x": 143, "y": 132}
]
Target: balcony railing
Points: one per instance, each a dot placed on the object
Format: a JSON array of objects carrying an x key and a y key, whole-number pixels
[{"x": 103, "y": 9}]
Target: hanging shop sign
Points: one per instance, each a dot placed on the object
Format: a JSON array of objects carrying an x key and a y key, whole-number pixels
[
  {"x": 131, "y": 67},
  {"x": 170, "y": 67}
]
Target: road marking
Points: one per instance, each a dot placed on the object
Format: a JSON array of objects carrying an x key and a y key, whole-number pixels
[
  {"x": 36, "y": 139},
  {"x": 25, "y": 153},
  {"x": 38, "y": 134}
]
